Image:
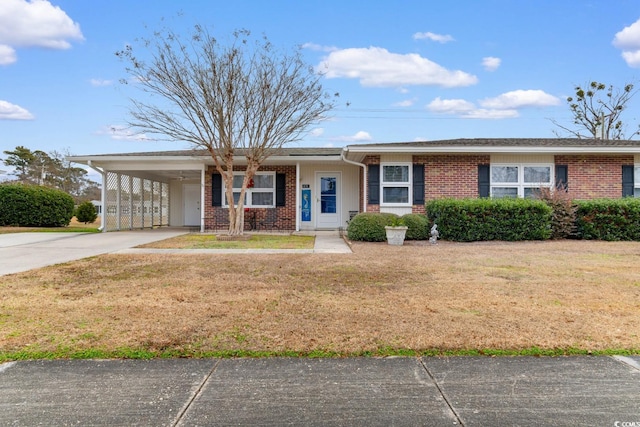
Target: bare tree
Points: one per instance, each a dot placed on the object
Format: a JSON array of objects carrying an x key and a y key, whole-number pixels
[
  {"x": 244, "y": 98},
  {"x": 597, "y": 109}
]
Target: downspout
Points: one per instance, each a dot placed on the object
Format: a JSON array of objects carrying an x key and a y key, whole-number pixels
[
  {"x": 103, "y": 195},
  {"x": 364, "y": 176}
]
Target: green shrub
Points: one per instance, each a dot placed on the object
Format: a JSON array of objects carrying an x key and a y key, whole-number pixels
[
  {"x": 563, "y": 215},
  {"x": 86, "y": 212},
  {"x": 34, "y": 206},
  {"x": 469, "y": 220},
  {"x": 609, "y": 219},
  {"x": 369, "y": 226},
  {"x": 418, "y": 226}
]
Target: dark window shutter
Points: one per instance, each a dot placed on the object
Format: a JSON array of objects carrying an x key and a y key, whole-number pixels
[
  {"x": 484, "y": 180},
  {"x": 216, "y": 189},
  {"x": 627, "y": 181},
  {"x": 562, "y": 177},
  {"x": 281, "y": 189},
  {"x": 418, "y": 184},
  {"x": 373, "y": 192}
]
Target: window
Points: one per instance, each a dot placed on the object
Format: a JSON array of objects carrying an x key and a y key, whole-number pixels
[
  {"x": 636, "y": 181},
  {"x": 519, "y": 180},
  {"x": 260, "y": 195},
  {"x": 395, "y": 184}
]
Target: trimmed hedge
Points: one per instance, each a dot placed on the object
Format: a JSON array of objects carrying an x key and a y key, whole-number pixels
[
  {"x": 609, "y": 219},
  {"x": 469, "y": 220},
  {"x": 418, "y": 226},
  {"x": 369, "y": 226},
  {"x": 34, "y": 206}
]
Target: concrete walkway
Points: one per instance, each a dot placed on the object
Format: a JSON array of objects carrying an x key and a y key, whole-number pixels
[
  {"x": 25, "y": 251},
  {"x": 462, "y": 391}
]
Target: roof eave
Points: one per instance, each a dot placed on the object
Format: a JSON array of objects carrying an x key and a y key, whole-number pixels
[{"x": 444, "y": 149}]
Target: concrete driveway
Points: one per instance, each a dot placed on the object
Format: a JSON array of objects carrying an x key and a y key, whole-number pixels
[{"x": 25, "y": 251}]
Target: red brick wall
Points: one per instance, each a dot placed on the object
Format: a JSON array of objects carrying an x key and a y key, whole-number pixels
[
  {"x": 217, "y": 217},
  {"x": 445, "y": 176},
  {"x": 594, "y": 176},
  {"x": 451, "y": 175}
]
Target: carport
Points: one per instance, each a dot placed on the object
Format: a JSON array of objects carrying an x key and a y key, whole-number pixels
[{"x": 139, "y": 194}]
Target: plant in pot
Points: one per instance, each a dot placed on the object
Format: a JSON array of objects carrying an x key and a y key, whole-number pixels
[{"x": 396, "y": 231}]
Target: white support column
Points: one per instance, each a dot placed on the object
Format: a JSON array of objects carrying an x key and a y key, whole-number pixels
[
  {"x": 298, "y": 205},
  {"x": 130, "y": 202},
  {"x": 103, "y": 196},
  {"x": 202, "y": 191},
  {"x": 119, "y": 202}
]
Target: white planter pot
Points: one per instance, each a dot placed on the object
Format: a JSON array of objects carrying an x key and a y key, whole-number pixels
[{"x": 395, "y": 235}]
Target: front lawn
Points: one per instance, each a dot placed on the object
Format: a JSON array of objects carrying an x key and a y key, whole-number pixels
[
  {"x": 250, "y": 241},
  {"x": 554, "y": 297}
]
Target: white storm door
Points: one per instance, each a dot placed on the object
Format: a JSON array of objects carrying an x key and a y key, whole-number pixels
[
  {"x": 191, "y": 205},
  {"x": 328, "y": 200}
]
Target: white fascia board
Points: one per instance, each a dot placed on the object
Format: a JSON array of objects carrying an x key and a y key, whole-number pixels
[
  {"x": 279, "y": 160},
  {"x": 495, "y": 150},
  {"x": 195, "y": 160},
  {"x": 147, "y": 164},
  {"x": 116, "y": 158}
]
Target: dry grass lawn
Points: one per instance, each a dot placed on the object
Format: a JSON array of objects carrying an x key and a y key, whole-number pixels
[{"x": 451, "y": 296}]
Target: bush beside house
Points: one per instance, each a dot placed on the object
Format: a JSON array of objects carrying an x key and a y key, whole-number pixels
[
  {"x": 469, "y": 220},
  {"x": 34, "y": 206},
  {"x": 369, "y": 226},
  {"x": 609, "y": 219}
]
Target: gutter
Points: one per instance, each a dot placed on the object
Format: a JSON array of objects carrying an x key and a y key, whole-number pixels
[
  {"x": 103, "y": 194},
  {"x": 344, "y": 151}
]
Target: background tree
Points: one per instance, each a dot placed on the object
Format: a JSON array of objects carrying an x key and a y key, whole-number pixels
[
  {"x": 597, "y": 110},
  {"x": 20, "y": 159},
  {"x": 52, "y": 170},
  {"x": 244, "y": 98}
]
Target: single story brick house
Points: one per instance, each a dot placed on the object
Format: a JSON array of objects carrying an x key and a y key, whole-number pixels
[{"x": 322, "y": 188}]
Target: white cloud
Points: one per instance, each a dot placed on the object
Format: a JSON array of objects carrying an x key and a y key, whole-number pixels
[
  {"x": 360, "y": 136},
  {"x": 10, "y": 111},
  {"x": 450, "y": 106},
  {"x": 491, "y": 63},
  {"x": 36, "y": 23},
  {"x": 632, "y": 58},
  {"x": 520, "y": 99},
  {"x": 483, "y": 113},
  {"x": 7, "y": 55},
  {"x": 317, "y": 132},
  {"x": 123, "y": 133},
  {"x": 405, "y": 103},
  {"x": 100, "y": 82},
  {"x": 501, "y": 107},
  {"x": 466, "y": 109},
  {"x": 377, "y": 67},
  {"x": 319, "y": 48},
  {"x": 440, "y": 38},
  {"x": 628, "y": 40}
]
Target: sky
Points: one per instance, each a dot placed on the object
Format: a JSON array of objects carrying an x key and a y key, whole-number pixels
[{"x": 405, "y": 70}]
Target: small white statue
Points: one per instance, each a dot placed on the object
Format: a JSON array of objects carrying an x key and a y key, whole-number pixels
[{"x": 434, "y": 234}]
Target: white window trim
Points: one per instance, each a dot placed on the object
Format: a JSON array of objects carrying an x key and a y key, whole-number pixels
[
  {"x": 250, "y": 190},
  {"x": 521, "y": 185},
  {"x": 636, "y": 180},
  {"x": 408, "y": 184}
]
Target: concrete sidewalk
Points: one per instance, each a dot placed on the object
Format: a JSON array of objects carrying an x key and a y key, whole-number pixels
[
  {"x": 25, "y": 251},
  {"x": 467, "y": 391}
]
